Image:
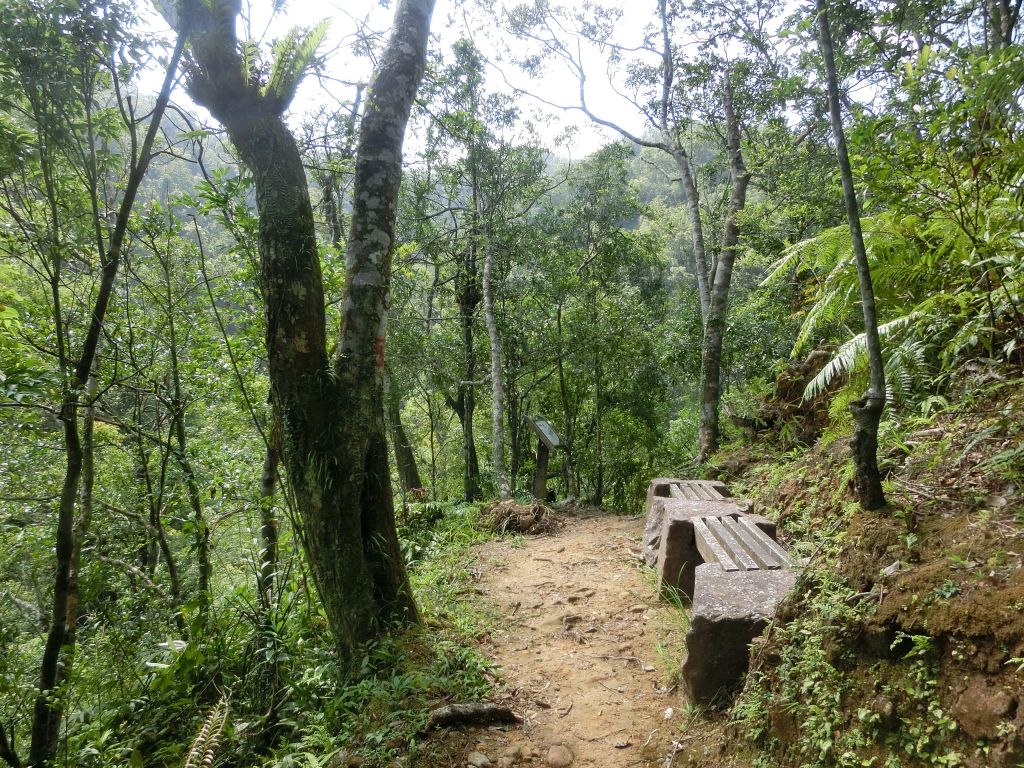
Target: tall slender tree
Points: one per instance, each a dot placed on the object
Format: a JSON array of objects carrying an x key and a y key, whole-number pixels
[
  {"x": 62, "y": 215},
  {"x": 867, "y": 411}
]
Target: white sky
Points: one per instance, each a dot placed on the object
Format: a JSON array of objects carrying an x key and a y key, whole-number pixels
[{"x": 452, "y": 20}]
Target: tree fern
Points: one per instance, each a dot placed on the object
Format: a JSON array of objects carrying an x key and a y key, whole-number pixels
[{"x": 846, "y": 358}]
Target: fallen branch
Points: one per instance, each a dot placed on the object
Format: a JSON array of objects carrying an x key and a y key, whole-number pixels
[{"x": 477, "y": 713}]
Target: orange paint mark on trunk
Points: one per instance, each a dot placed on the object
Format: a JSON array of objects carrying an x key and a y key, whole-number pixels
[{"x": 380, "y": 353}]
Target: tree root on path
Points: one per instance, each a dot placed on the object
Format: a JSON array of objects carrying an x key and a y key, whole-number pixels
[{"x": 478, "y": 713}]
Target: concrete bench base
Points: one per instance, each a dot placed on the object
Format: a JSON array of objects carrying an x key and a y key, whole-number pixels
[
  {"x": 730, "y": 609},
  {"x": 673, "y": 490},
  {"x": 678, "y": 556}
]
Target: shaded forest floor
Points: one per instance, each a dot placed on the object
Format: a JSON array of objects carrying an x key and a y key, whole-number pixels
[{"x": 586, "y": 651}]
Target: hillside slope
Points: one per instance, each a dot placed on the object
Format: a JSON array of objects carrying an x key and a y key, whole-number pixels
[{"x": 903, "y": 644}]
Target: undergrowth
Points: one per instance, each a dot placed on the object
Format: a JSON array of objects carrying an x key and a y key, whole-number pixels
[
  {"x": 821, "y": 704},
  {"x": 377, "y": 715}
]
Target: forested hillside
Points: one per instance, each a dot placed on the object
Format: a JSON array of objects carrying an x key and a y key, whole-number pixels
[{"x": 268, "y": 376}]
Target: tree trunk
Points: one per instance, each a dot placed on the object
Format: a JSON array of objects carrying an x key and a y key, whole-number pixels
[
  {"x": 330, "y": 414},
  {"x": 718, "y": 309},
  {"x": 268, "y": 524},
  {"x": 202, "y": 530},
  {"x": 468, "y": 300},
  {"x": 867, "y": 412},
  {"x": 60, "y": 640},
  {"x": 497, "y": 389},
  {"x": 330, "y": 189},
  {"x": 598, "y": 426},
  {"x": 464, "y": 407},
  {"x": 405, "y": 458},
  {"x": 515, "y": 433},
  {"x": 700, "y": 257},
  {"x": 673, "y": 145},
  {"x": 568, "y": 415},
  {"x": 158, "y": 541}
]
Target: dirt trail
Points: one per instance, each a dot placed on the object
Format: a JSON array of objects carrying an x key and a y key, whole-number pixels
[{"x": 587, "y": 651}]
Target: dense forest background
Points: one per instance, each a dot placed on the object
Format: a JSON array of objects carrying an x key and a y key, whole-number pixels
[{"x": 588, "y": 291}]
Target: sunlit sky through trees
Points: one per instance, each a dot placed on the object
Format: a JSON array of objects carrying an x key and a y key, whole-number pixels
[{"x": 568, "y": 132}]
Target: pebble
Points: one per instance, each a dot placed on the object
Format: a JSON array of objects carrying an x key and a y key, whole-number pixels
[
  {"x": 559, "y": 756},
  {"x": 479, "y": 760},
  {"x": 513, "y": 752}
]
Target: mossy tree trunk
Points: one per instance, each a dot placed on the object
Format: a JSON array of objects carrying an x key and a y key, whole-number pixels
[{"x": 330, "y": 412}]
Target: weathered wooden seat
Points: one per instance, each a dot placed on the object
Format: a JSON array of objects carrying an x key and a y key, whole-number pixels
[{"x": 737, "y": 544}]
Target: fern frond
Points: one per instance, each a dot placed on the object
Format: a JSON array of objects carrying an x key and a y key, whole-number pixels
[
  {"x": 204, "y": 747},
  {"x": 821, "y": 252},
  {"x": 833, "y": 304},
  {"x": 292, "y": 56},
  {"x": 905, "y": 370},
  {"x": 250, "y": 53},
  {"x": 847, "y": 355}
]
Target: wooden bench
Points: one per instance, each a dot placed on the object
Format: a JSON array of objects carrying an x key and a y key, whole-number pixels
[
  {"x": 737, "y": 544},
  {"x": 744, "y": 575},
  {"x": 706, "y": 546}
]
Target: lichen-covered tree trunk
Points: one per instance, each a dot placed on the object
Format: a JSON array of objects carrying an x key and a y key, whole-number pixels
[
  {"x": 718, "y": 308},
  {"x": 867, "y": 411},
  {"x": 330, "y": 413},
  {"x": 497, "y": 388}
]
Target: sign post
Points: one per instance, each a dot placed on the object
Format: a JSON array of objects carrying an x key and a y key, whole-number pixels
[{"x": 547, "y": 442}]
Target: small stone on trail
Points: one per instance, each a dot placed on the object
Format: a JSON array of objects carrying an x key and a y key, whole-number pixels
[
  {"x": 638, "y": 609},
  {"x": 559, "y": 756},
  {"x": 513, "y": 751},
  {"x": 479, "y": 760},
  {"x": 889, "y": 570}
]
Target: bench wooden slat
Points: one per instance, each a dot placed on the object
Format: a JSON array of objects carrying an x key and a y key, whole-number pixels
[
  {"x": 731, "y": 544},
  {"x": 675, "y": 491},
  {"x": 706, "y": 492},
  {"x": 764, "y": 556},
  {"x": 766, "y": 540},
  {"x": 691, "y": 492},
  {"x": 709, "y": 548},
  {"x": 711, "y": 490}
]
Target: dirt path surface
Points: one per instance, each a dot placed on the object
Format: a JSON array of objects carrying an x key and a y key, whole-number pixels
[{"x": 587, "y": 651}]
